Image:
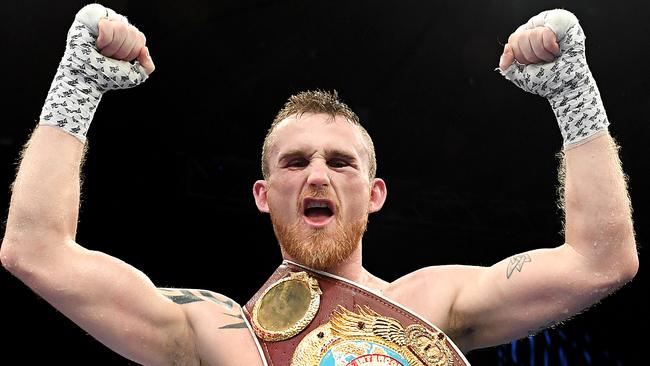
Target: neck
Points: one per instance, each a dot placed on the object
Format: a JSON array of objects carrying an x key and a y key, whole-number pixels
[{"x": 350, "y": 269}]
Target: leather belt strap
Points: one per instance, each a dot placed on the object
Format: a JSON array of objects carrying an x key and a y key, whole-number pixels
[{"x": 338, "y": 292}]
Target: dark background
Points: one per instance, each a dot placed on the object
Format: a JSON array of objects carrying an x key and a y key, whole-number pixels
[{"x": 469, "y": 159}]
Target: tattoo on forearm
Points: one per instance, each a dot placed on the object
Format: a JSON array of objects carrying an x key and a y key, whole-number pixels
[
  {"x": 517, "y": 263},
  {"x": 184, "y": 296},
  {"x": 237, "y": 325}
]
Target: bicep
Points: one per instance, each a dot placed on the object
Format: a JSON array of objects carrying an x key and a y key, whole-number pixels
[
  {"x": 112, "y": 301},
  {"x": 523, "y": 294}
]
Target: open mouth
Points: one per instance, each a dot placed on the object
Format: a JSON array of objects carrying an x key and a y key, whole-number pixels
[{"x": 318, "y": 210}]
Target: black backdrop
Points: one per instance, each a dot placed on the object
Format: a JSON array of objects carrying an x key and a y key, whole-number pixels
[{"x": 469, "y": 159}]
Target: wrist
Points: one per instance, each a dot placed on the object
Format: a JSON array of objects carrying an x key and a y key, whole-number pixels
[
  {"x": 73, "y": 97},
  {"x": 579, "y": 110}
]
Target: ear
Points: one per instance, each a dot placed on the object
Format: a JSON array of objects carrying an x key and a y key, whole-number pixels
[
  {"x": 378, "y": 194},
  {"x": 260, "y": 192}
]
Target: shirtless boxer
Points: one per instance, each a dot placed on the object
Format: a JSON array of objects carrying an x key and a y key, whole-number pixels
[{"x": 319, "y": 187}]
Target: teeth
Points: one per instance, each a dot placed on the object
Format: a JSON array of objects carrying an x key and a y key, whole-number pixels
[{"x": 316, "y": 204}]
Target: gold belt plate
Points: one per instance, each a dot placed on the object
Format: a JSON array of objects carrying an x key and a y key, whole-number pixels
[
  {"x": 286, "y": 307},
  {"x": 364, "y": 337}
]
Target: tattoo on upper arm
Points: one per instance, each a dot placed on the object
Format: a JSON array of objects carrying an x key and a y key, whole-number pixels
[
  {"x": 238, "y": 325},
  {"x": 517, "y": 263},
  {"x": 184, "y": 296}
]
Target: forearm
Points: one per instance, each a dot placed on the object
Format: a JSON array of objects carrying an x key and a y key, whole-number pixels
[
  {"x": 45, "y": 195},
  {"x": 109, "y": 299},
  {"x": 45, "y": 202},
  {"x": 598, "y": 210}
]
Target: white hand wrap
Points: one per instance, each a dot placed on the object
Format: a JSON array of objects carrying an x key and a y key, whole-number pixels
[
  {"x": 84, "y": 75},
  {"x": 566, "y": 82}
]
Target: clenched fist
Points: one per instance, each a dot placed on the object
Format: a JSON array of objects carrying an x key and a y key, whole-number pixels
[
  {"x": 120, "y": 40},
  {"x": 549, "y": 51},
  {"x": 530, "y": 46},
  {"x": 103, "y": 52}
]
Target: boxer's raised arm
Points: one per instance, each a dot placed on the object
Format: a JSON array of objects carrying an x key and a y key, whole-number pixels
[
  {"x": 533, "y": 290},
  {"x": 111, "y": 300}
]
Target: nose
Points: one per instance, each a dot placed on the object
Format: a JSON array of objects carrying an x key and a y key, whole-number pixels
[{"x": 318, "y": 174}]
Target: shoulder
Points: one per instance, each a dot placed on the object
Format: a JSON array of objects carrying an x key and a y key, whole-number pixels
[
  {"x": 432, "y": 291},
  {"x": 441, "y": 278}
]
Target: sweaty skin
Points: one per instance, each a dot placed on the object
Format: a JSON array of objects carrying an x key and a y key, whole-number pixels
[{"x": 476, "y": 306}]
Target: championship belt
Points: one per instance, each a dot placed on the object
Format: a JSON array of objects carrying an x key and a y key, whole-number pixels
[{"x": 304, "y": 317}]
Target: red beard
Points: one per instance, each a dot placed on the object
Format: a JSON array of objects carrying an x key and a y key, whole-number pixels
[{"x": 320, "y": 248}]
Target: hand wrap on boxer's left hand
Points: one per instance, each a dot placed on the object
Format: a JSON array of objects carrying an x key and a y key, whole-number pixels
[{"x": 566, "y": 82}]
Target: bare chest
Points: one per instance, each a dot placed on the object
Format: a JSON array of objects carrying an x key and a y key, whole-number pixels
[{"x": 227, "y": 341}]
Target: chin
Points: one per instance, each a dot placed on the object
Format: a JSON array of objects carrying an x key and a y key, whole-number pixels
[
  {"x": 319, "y": 254},
  {"x": 321, "y": 248}
]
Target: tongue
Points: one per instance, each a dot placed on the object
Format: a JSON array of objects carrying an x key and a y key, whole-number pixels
[{"x": 318, "y": 213}]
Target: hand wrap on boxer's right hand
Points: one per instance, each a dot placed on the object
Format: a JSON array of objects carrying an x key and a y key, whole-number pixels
[
  {"x": 84, "y": 75},
  {"x": 566, "y": 82}
]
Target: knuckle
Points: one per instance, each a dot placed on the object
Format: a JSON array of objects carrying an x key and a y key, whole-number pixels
[
  {"x": 109, "y": 27},
  {"x": 121, "y": 27},
  {"x": 133, "y": 31},
  {"x": 523, "y": 37},
  {"x": 548, "y": 34},
  {"x": 516, "y": 51}
]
